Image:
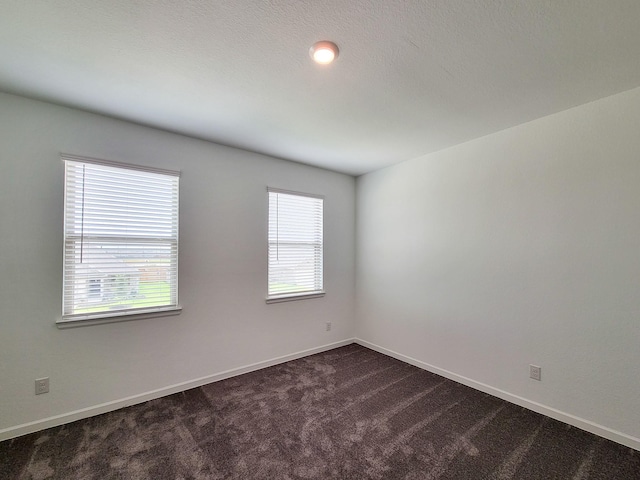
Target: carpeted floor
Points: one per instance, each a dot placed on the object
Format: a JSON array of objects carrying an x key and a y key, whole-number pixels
[{"x": 349, "y": 413}]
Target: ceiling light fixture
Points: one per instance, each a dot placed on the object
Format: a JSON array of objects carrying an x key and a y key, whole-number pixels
[{"x": 324, "y": 52}]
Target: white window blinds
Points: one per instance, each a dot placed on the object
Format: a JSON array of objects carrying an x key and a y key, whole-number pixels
[
  {"x": 295, "y": 244},
  {"x": 120, "y": 240}
]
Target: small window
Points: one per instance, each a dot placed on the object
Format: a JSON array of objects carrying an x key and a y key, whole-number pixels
[
  {"x": 120, "y": 240},
  {"x": 295, "y": 246}
]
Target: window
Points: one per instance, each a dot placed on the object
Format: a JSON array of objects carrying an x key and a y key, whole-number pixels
[
  {"x": 295, "y": 246},
  {"x": 120, "y": 241}
]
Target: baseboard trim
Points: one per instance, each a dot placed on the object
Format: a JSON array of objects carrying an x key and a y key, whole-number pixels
[
  {"x": 596, "y": 429},
  {"x": 57, "y": 420}
]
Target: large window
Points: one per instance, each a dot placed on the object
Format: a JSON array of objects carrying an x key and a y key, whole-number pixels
[
  {"x": 295, "y": 245},
  {"x": 120, "y": 240}
]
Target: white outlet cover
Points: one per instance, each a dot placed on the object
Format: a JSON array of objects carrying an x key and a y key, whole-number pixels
[
  {"x": 42, "y": 385},
  {"x": 535, "y": 372}
]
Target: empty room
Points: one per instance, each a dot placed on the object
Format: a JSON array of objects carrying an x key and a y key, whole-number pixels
[{"x": 264, "y": 239}]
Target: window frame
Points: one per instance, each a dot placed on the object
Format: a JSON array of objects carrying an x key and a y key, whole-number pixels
[
  {"x": 80, "y": 319},
  {"x": 293, "y": 296}
]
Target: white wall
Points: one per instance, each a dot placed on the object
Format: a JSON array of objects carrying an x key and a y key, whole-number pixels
[
  {"x": 517, "y": 248},
  {"x": 225, "y": 323},
  {"x": 522, "y": 247}
]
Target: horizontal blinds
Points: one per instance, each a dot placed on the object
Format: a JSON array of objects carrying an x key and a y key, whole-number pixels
[
  {"x": 295, "y": 244},
  {"x": 120, "y": 239}
]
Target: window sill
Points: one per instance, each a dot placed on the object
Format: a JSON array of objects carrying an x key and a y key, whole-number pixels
[
  {"x": 293, "y": 297},
  {"x": 71, "y": 321}
]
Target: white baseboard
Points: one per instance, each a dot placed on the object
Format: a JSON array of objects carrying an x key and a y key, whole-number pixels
[
  {"x": 57, "y": 420},
  {"x": 578, "y": 422}
]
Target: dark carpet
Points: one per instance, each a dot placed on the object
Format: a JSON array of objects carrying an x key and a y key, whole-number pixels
[{"x": 349, "y": 413}]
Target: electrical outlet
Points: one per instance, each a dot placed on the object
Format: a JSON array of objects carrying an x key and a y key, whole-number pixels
[
  {"x": 42, "y": 385},
  {"x": 535, "y": 372},
  {"x": 328, "y": 326}
]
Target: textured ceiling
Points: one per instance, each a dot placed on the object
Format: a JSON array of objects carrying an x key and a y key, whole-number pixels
[{"x": 412, "y": 77}]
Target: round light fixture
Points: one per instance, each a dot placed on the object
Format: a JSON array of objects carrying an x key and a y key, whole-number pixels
[{"x": 324, "y": 52}]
